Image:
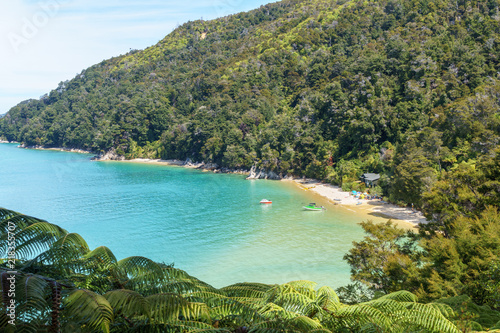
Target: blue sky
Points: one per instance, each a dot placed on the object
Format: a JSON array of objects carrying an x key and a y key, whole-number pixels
[{"x": 44, "y": 42}]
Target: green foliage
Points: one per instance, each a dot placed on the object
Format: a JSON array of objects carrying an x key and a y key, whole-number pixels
[
  {"x": 491, "y": 281},
  {"x": 433, "y": 265},
  {"x": 387, "y": 260},
  {"x": 326, "y": 89},
  {"x": 460, "y": 263},
  {"x": 142, "y": 296},
  {"x": 466, "y": 189},
  {"x": 470, "y": 314}
]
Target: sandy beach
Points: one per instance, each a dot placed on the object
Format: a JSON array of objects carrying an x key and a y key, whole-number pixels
[
  {"x": 371, "y": 207},
  {"x": 156, "y": 161}
]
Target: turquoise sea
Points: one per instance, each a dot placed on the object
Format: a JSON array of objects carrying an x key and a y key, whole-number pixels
[{"x": 210, "y": 225}]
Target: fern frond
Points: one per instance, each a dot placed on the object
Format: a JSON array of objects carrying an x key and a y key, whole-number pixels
[
  {"x": 445, "y": 309},
  {"x": 87, "y": 308},
  {"x": 329, "y": 294},
  {"x": 149, "y": 277},
  {"x": 128, "y": 303},
  {"x": 250, "y": 290},
  {"x": 358, "y": 315},
  {"x": 167, "y": 307},
  {"x": 428, "y": 318},
  {"x": 61, "y": 256},
  {"x": 303, "y": 285},
  {"x": 7, "y": 213},
  {"x": 272, "y": 311},
  {"x": 305, "y": 324},
  {"x": 103, "y": 254},
  {"x": 190, "y": 326},
  {"x": 296, "y": 324},
  {"x": 401, "y": 296},
  {"x": 385, "y": 305},
  {"x": 31, "y": 302},
  {"x": 35, "y": 237}
]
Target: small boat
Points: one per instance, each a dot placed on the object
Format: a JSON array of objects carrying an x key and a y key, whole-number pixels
[
  {"x": 265, "y": 201},
  {"x": 312, "y": 206}
]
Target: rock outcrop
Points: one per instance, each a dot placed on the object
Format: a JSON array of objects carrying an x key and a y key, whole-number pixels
[
  {"x": 200, "y": 165},
  {"x": 262, "y": 174},
  {"x": 109, "y": 156}
]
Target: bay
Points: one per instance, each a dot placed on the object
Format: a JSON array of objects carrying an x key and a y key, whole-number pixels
[{"x": 210, "y": 225}]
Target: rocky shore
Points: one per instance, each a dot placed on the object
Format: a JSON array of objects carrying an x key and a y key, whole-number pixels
[
  {"x": 253, "y": 173},
  {"x": 70, "y": 150}
]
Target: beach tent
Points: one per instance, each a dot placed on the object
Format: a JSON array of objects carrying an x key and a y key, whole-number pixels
[{"x": 354, "y": 192}]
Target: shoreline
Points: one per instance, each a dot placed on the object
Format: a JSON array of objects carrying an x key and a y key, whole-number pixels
[
  {"x": 402, "y": 216},
  {"x": 373, "y": 207},
  {"x": 68, "y": 150},
  {"x": 185, "y": 164}
]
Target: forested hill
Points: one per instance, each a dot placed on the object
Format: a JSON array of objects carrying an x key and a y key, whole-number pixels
[{"x": 326, "y": 89}]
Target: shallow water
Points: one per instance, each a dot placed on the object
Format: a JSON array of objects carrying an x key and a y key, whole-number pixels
[{"x": 210, "y": 225}]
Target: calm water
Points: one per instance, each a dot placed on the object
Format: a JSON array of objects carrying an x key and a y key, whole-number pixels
[{"x": 210, "y": 225}]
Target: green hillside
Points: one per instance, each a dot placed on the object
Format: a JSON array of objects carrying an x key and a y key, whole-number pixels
[
  {"x": 326, "y": 89},
  {"x": 409, "y": 89}
]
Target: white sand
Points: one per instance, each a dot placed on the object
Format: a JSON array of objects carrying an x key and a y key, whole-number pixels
[
  {"x": 376, "y": 207},
  {"x": 155, "y": 161}
]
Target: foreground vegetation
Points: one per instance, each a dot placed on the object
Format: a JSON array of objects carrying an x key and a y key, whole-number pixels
[{"x": 62, "y": 285}]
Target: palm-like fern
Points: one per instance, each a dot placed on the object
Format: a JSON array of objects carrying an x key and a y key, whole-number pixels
[{"x": 62, "y": 285}]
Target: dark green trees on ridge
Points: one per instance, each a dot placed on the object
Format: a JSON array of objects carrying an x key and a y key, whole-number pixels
[{"x": 326, "y": 89}]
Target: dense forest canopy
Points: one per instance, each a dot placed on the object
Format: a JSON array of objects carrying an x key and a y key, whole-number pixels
[{"x": 326, "y": 89}]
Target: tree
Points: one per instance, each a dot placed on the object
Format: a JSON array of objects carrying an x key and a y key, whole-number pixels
[
  {"x": 465, "y": 190},
  {"x": 413, "y": 174},
  {"x": 387, "y": 260},
  {"x": 463, "y": 262}
]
